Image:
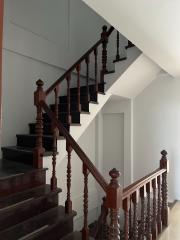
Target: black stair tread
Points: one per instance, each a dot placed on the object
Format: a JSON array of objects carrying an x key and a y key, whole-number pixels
[
  {"x": 25, "y": 150},
  {"x": 36, "y": 224},
  {"x": 34, "y": 135},
  {"x": 74, "y": 236},
  {"x": 48, "y": 124},
  {"x": 12, "y": 200},
  {"x": 10, "y": 168}
]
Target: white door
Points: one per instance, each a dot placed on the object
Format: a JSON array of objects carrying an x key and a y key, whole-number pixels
[{"x": 113, "y": 144}]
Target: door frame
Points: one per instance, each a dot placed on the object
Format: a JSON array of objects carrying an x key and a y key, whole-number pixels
[{"x": 1, "y": 46}]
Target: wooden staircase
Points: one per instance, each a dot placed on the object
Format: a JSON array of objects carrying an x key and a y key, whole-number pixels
[{"x": 29, "y": 208}]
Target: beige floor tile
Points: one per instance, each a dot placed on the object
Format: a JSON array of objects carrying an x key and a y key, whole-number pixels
[{"x": 173, "y": 231}]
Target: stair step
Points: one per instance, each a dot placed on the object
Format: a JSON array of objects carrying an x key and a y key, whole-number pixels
[
  {"x": 83, "y": 89},
  {"x": 29, "y": 140},
  {"x": 24, "y": 205},
  {"x": 47, "y": 128},
  {"x": 20, "y": 154},
  {"x": 75, "y": 236},
  {"x": 83, "y": 98},
  {"x": 15, "y": 177},
  {"x": 75, "y": 116},
  {"x": 52, "y": 224},
  {"x": 63, "y": 107}
]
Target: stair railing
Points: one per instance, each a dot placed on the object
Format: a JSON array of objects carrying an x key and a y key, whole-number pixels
[
  {"x": 145, "y": 207},
  {"x": 113, "y": 190}
]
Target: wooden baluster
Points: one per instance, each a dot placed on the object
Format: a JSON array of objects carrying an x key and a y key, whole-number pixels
[
  {"x": 126, "y": 207},
  {"x": 130, "y": 219},
  {"x": 148, "y": 217},
  {"x": 114, "y": 203},
  {"x": 159, "y": 221},
  {"x": 55, "y": 136},
  {"x": 87, "y": 77},
  {"x": 142, "y": 230},
  {"x": 68, "y": 203},
  {"x": 95, "y": 70},
  {"x": 68, "y": 78},
  {"x": 164, "y": 164},
  {"x": 135, "y": 217},
  {"x": 154, "y": 217},
  {"x": 118, "y": 58},
  {"x": 85, "y": 230},
  {"x": 78, "y": 69},
  {"x": 39, "y": 95},
  {"x": 104, "y": 37},
  {"x": 105, "y": 227}
]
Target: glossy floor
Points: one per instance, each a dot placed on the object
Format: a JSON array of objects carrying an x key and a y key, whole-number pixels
[{"x": 173, "y": 231}]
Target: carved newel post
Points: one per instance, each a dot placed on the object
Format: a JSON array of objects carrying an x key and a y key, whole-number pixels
[
  {"x": 114, "y": 203},
  {"x": 164, "y": 164},
  {"x": 39, "y": 96}
]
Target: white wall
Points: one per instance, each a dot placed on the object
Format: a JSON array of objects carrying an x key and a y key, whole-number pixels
[
  {"x": 156, "y": 127},
  {"x": 41, "y": 39}
]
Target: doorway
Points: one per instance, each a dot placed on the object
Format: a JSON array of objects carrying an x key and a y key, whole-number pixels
[{"x": 113, "y": 143}]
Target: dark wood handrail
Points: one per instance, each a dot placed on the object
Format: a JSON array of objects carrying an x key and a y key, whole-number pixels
[
  {"x": 54, "y": 85},
  {"x": 90, "y": 166},
  {"x": 141, "y": 182}
]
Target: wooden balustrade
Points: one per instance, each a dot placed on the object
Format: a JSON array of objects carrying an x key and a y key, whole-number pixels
[{"x": 144, "y": 202}]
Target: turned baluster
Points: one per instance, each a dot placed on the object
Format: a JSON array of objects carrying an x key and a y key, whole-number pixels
[
  {"x": 126, "y": 208},
  {"x": 142, "y": 230},
  {"x": 148, "y": 217},
  {"x": 68, "y": 203},
  {"x": 85, "y": 230},
  {"x": 130, "y": 219},
  {"x": 55, "y": 136},
  {"x": 87, "y": 77},
  {"x": 159, "y": 221},
  {"x": 164, "y": 164},
  {"x": 105, "y": 227},
  {"x": 78, "y": 69},
  {"x": 154, "y": 217},
  {"x": 114, "y": 203},
  {"x": 68, "y": 78},
  {"x": 96, "y": 70},
  {"x": 38, "y": 153},
  {"x": 118, "y": 58},
  {"x": 104, "y": 37},
  {"x": 135, "y": 216}
]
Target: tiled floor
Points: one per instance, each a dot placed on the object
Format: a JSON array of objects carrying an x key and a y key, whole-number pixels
[{"x": 173, "y": 231}]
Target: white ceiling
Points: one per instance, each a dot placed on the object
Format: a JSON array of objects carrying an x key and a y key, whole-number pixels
[{"x": 152, "y": 25}]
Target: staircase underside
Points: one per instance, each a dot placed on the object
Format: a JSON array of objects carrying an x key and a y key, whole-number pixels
[{"x": 150, "y": 25}]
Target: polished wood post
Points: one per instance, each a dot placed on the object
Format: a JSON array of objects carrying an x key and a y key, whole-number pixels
[
  {"x": 118, "y": 58},
  {"x": 85, "y": 230},
  {"x": 55, "y": 136},
  {"x": 68, "y": 203},
  {"x": 39, "y": 95},
  {"x": 154, "y": 216},
  {"x": 78, "y": 69},
  {"x": 104, "y": 37},
  {"x": 149, "y": 219},
  {"x": 126, "y": 207},
  {"x": 1, "y": 46},
  {"x": 96, "y": 70},
  {"x": 114, "y": 203},
  {"x": 142, "y": 230},
  {"x": 87, "y": 60},
  {"x": 104, "y": 220},
  {"x": 159, "y": 220},
  {"x": 68, "y": 78},
  {"x": 135, "y": 216},
  {"x": 164, "y": 164}
]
